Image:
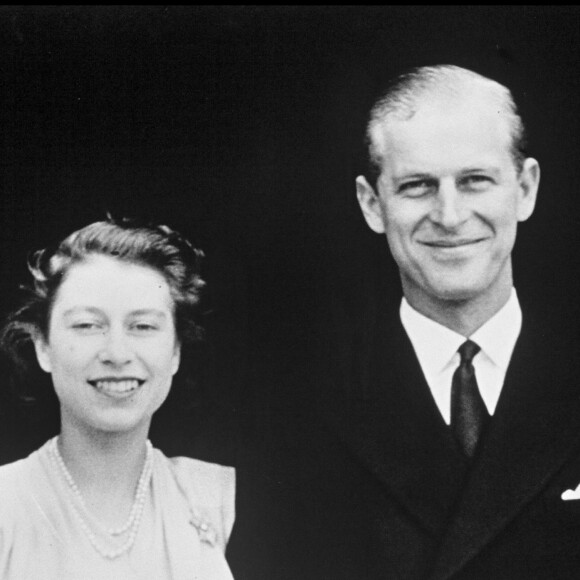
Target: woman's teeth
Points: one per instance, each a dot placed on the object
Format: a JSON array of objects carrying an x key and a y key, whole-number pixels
[{"x": 125, "y": 386}]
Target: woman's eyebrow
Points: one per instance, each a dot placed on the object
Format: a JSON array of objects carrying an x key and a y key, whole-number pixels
[
  {"x": 81, "y": 308},
  {"x": 149, "y": 312}
]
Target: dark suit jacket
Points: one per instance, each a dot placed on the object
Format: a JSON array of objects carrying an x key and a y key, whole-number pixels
[{"x": 372, "y": 485}]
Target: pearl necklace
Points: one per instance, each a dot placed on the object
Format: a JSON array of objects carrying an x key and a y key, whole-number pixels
[{"x": 135, "y": 515}]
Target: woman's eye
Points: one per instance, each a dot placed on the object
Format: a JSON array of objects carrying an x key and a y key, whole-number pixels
[
  {"x": 86, "y": 326},
  {"x": 144, "y": 327}
]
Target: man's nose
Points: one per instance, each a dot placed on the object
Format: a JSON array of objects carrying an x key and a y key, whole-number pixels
[
  {"x": 449, "y": 210},
  {"x": 116, "y": 349}
]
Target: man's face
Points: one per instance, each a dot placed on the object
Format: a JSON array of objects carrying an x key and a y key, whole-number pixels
[{"x": 449, "y": 198}]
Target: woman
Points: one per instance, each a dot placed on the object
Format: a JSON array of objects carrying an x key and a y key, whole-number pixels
[{"x": 109, "y": 310}]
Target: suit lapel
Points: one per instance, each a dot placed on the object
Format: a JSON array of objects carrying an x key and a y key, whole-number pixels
[
  {"x": 536, "y": 427},
  {"x": 396, "y": 431}
]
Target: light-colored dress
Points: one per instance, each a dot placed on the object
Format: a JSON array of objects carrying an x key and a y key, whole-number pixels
[{"x": 186, "y": 524}]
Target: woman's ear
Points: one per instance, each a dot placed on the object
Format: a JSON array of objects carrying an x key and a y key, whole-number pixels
[
  {"x": 42, "y": 349},
  {"x": 176, "y": 358}
]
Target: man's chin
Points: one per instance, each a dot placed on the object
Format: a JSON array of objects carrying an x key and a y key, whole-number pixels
[
  {"x": 458, "y": 294},
  {"x": 454, "y": 294},
  {"x": 447, "y": 288}
]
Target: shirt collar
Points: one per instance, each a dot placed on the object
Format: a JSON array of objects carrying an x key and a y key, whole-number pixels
[
  {"x": 435, "y": 345},
  {"x": 497, "y": 337}
]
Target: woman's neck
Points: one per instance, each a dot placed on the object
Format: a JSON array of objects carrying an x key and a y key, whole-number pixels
[{"x": 105, "y": 467}]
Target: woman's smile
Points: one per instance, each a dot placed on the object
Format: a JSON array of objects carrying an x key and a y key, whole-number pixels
[{"x": 117, "y": 387}]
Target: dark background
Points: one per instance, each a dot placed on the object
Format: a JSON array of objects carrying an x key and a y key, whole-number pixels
[{"x": 236, "y": 125}]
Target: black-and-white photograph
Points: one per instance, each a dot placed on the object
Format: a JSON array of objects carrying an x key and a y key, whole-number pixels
[{"x": 289, "y": 292}]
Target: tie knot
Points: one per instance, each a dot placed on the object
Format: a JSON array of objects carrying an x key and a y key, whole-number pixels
[{"x": 467, "y": 351}]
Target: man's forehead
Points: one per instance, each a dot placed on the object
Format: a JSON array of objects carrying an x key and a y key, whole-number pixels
[
  {"x": 438, "y": 124},
  {"x": 446, "y": 101}
]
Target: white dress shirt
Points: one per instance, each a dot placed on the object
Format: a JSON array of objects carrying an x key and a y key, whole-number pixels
[{"x": 436, "y": 348}]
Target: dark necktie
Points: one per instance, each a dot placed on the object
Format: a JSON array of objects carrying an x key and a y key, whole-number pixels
[{"x": 468, "y": 412}]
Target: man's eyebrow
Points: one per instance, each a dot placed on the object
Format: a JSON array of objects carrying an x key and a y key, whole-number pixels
[
  {"x": 480, "y": 169},
  {"x": 413, "y": 176}
]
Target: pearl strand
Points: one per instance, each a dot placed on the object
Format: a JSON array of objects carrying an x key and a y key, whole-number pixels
[
  {"x": 135, "y": 516},
  {"x": 142, "y": 482}
]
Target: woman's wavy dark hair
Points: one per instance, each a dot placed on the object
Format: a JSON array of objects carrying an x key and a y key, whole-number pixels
[{"x": 127, "y": 240}]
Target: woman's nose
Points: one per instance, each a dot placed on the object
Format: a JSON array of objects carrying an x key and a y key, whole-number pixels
[{"x": 116, "y": 349}]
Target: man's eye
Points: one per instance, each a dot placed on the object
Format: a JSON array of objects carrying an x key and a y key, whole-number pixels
[
  {"x": 417, "y": 188},
  {"x": 476, "y": 182}
]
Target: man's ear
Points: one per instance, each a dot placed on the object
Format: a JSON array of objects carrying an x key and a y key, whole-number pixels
[
  {"x": 42, "y": 351},
  {"x": 370, "y": 205},
  {"x": 529, "y": 180}
]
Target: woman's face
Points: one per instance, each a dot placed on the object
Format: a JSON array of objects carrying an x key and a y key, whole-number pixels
[{"x": 112, "y": 349}]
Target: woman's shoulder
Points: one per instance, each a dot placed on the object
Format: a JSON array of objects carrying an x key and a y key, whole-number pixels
[
  {"x": 210, "y": 476},
  {"x": 210, "y": 490},
  {"x": 18, "y": 481},
  {"x": 8, "y": 470},
  {"x": 12, "y": 476},
  {"x": 15, "y": 475},
  {"x": 210, "y": 483}
]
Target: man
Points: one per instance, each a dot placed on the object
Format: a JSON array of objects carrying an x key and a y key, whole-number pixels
[
  {"x": 445, "y": 444},
  {"x": 456, "y": 452}
]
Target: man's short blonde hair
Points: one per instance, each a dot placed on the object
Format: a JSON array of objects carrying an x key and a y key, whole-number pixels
[{"x": 403, "y": 97}]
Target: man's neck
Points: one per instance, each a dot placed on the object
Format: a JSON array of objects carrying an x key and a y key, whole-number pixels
[{"x": 461, "y": 316}]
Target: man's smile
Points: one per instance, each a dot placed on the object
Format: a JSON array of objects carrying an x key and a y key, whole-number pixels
[{"x": 452, "y": 243}]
